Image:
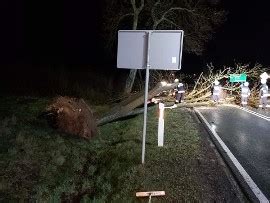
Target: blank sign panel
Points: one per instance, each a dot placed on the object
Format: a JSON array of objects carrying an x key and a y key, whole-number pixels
[
  {"x": 165, "y": 51},
  {"x": 132, "y": 49}
]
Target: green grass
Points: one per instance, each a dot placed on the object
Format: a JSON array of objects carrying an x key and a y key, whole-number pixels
[{"x": 39, "y": 163}]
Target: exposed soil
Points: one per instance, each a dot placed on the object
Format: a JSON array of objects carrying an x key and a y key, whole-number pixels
[{"x": 72, "y": 116}]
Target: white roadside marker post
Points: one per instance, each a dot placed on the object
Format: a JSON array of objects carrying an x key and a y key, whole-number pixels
[{"x": 161, "y": 125}]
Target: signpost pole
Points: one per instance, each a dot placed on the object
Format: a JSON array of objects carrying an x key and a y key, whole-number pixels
[
  {"x": 142, "y": 49},
  {"x": 146, "y": 97}
]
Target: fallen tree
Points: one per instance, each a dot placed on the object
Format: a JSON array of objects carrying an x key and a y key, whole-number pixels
[
  {"x": 201, "y": 90},
  {"x": 200, "y": 94},
  {"x": 75, "y": 116},
  {"x": 72, "y": 116},
  {"x": 125, "y": 107}
]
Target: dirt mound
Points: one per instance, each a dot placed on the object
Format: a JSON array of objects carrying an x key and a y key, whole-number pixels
[{"x": 72, "y": 116}]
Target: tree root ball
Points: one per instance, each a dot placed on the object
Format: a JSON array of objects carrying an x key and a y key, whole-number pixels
[{"x": 72, "y": 116}]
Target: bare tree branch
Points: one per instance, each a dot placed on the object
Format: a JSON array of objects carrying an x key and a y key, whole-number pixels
[{"x": 197, "y": 18}]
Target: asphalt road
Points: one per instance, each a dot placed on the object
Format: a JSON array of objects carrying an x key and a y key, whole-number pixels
[{"x": 248, "y": 138}]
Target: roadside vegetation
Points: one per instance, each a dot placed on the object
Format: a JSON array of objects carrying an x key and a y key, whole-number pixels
[
  {"x": 42, "y": 164},
  {"x": 39, "y": 163}
]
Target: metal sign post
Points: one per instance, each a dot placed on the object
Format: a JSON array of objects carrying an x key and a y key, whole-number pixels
[
  {"x": 146, "y": 97},
  {"x": 149, "y": 49}
]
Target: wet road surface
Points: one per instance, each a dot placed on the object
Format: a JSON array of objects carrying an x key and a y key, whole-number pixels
[
  {"x": 265, "y": 112},
  {"x": 248, "y": 138}
]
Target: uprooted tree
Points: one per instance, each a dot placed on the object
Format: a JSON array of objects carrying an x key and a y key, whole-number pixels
[
  {"x": 198, "y": 19},
  {"x": 74, "y": 116}
]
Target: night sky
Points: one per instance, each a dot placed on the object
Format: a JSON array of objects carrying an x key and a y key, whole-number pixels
[
  {"x": 245, "y": 36},
  {"x": 46, "y": 32}
]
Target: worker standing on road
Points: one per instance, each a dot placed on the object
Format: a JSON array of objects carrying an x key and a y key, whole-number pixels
[
  {"x": 263, "y": 95},
  {"x": 179, "y": 95},
  {"x": 216, "y": 91},
  {"x": 245, "y": 92}
]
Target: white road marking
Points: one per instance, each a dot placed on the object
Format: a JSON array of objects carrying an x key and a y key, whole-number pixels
[
  {"x": 249, "y": 111},
  {"x": 254, "y": 188}
]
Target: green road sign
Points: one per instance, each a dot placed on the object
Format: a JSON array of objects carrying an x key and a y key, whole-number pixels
[{"x": 238, "y": 77}]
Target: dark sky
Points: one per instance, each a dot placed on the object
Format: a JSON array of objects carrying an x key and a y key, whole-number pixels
[
  {"x": 69, "y": 32},
  {"x": 245, "y": 36},
  {"x": 50, "y": 31}
]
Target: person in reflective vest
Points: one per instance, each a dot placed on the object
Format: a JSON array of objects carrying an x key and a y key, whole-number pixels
[
  {"x": 263, "y": 96},
  {"x": 245, "y": 92},
  {"x": 180, "y": 91},
  {"x": 216, "y": 91}
]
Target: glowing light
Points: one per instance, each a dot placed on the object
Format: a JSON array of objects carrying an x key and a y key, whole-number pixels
[{"x": 163, "y": 83}]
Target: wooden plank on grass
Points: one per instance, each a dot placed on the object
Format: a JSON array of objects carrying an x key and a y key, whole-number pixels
[{"x": 152, "y": 193}]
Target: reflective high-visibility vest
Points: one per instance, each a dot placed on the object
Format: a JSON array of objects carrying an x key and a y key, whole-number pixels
[
  {"x": 180, "y": 89},
  {"x": 264, "y": 91},
  {"x": 216, "y": 90},
  {"x": 245, "y": 91}
]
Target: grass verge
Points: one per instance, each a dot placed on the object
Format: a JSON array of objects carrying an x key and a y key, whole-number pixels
[{"x": 39, "y": 163}]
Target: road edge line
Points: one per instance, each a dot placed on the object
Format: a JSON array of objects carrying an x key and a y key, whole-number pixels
[
  {"x": 256, "y": 192},
  {"x": 249, "y": 111}
]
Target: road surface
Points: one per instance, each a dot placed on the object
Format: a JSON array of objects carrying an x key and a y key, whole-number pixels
[{"x": 248, "y": 138}]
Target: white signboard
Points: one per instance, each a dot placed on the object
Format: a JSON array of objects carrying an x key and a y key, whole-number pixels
[
  {"x": 149, "y": 49},
  {"x": 165, "y": 51}
]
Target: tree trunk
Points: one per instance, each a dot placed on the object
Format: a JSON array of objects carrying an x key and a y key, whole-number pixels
[
  {"x": 128, "y": 105},
  {"x": 130, "y": 81},
  {"x": 132, "y": 73}
]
